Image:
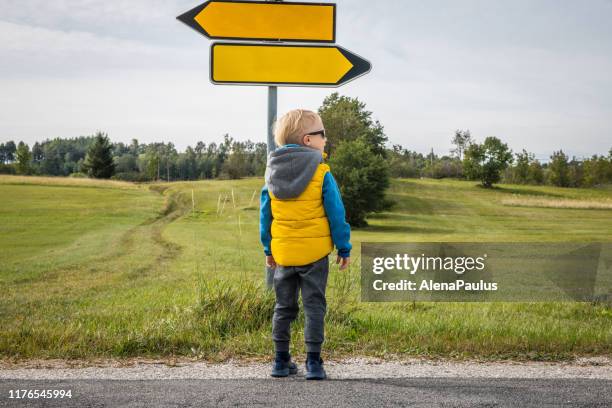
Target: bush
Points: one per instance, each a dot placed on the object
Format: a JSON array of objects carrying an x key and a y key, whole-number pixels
[
  {"x": 486, "y": 161},
  {"x": 535, "y": 173},
  {"x": 363, "y": 177},
  {"x": 444, "y": 167}
]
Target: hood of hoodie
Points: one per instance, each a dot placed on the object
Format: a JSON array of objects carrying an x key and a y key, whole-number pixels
[{"x": 290, "y": 169}]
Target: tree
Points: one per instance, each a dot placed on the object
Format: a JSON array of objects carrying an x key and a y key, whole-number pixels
[
  {"x": 23, "y": 157},
  {"x": 257, "y": 162},
  {"x": 346, "y": 118},
  {"x": 461, "y": 140},
  {"x": 134, "y": 148},
  {"x": 598, "y": 170},
  {"x": 236, "y": 165},
  {"x": 363, "y": 177},
  {"x": 37, "y": 153},
  {"x": 200, "y": 148},
  {"x": 151, "y": 162},
  {"x": 99, "y": 160},
  {"x": 221, "y": 154},
  {"x": 7, "y": 151},
  {"x": 170, "y": 155},
  {"x": 126, "y": 163},
  {"x": 559, "y": 169},
  {"x": 486, "y": 161},
  {"x": 187, "y": 164},
  {"x": 52, "y": 158},
  {"x": 535, "y": 173},
  {"x": 575, "y": 173},
  {"x": 404, "y": 163},
  {"x": 207, "y": 161},
  {"x": 521, "y": 169}
]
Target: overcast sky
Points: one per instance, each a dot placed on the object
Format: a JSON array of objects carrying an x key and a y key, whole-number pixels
[{"x": 535, "y": 73}]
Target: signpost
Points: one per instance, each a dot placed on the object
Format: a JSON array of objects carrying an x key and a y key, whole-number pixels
[
  {"x": 266, "y": 59},
  {"x": 263, "y": 20},
  {"x": 288, "y": 65}
]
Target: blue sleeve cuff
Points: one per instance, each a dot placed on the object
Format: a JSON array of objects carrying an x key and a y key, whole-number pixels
[
  {"x": 344, "y": 253},
  {"x": 334, "y": 209},
  {"x": 265, "y": 220}
]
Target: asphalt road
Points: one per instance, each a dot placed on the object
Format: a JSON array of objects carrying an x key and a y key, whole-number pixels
[
  {"x": 418, "y": 392},
  {"x": 356, "y": 382}
]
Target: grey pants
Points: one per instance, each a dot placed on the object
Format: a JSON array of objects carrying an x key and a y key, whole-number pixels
[{"x": 311, "y": 279}]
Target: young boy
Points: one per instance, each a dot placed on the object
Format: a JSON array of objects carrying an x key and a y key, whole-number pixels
[{"x": 302, "y": 217}]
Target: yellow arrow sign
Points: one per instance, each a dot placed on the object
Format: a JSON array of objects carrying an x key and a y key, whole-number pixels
[
  {"x": 263, "y": 20},
  {"x": 267, "y": 64}
]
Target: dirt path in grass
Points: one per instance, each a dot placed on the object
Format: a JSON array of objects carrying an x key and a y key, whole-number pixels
[
  {"x": 152, "y": 229},
  {"x": 174, "y": 208}
]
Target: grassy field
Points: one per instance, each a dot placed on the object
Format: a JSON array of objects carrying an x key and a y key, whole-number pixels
[{"x": 99, "y": 269}]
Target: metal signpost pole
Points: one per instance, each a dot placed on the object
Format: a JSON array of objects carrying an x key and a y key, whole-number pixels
[
  {"x": 272, "y": 107},
  {"x": 272, "y": 112}
]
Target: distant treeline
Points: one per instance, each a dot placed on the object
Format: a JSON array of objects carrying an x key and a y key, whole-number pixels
[
  {"x": 560, "y": 171},
  {"x": 234, "y": 159},
  {"x": 138, "y": 161},
  {"x": 523, "y": 167}
]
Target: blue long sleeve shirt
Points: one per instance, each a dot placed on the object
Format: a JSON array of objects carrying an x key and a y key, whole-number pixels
[{"x": 334, "y": 209}]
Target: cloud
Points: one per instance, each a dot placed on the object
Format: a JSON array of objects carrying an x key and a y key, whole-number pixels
[
  {"x": 36, "y": 51},
  {"x": 535, "y": 74},
  {"x": 92, "y": 13}
]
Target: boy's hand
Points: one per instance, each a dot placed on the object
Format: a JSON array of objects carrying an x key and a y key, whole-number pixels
[
  {"x": 270, "y": 262},
  {"x": 345, "y": 261}
]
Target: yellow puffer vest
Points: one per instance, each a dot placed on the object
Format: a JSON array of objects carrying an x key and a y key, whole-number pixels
[{"x": 300, "y": 229}]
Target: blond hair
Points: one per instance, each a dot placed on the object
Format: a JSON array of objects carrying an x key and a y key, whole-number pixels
[{"x": 290, "y": 127}]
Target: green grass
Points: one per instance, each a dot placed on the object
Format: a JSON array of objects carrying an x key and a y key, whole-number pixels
[{"x": 101, "y": 269}]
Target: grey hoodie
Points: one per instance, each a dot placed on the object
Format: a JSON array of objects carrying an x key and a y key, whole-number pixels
[{"x": 290, "y": 169}]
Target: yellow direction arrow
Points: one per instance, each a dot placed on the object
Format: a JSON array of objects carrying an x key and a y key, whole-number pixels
[
  {"x": 263, "y": 20},
  {"x": 300, "y": 65}
]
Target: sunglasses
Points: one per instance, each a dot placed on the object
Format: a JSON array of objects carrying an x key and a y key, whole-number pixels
[{"x": 318, "y": 132}]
